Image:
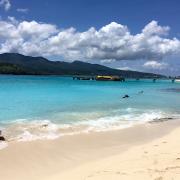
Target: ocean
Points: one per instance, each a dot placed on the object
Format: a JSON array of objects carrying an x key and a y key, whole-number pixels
[{"x": 48, "y": 107}]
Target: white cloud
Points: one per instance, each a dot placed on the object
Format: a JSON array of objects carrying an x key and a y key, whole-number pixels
[
  {"x": 5, "y": 4},
  {"x": 111, "y": 42},
  {"x": 155, "y": 65},
  {"x": 13, "y": 20},
  {"x": 126, "y": 68},
  {"x": 107, "y": 61},
  {"x": 22, "y": 10}
]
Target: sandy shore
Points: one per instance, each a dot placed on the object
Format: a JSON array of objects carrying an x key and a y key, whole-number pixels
[{"x": 149, "y": 151}]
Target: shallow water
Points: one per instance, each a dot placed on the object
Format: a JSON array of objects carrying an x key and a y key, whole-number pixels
[{"x": 34, "y": 107}]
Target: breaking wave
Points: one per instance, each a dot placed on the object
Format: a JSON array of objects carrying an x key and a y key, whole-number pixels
[{"x": 26, "y": 130}]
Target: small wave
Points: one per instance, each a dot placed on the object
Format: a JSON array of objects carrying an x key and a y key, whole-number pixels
[
  {"x": 27, "y": 136},
  {"x": 115, "y": 122},
  {"x": 25, "y": 130},
  {"x": 3, "y": 145}
]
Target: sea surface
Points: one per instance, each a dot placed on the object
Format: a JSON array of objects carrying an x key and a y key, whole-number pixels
[{"x": 47, "y": 107}]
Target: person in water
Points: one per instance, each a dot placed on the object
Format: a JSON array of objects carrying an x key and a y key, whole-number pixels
[{"x": 125, "y": 96}]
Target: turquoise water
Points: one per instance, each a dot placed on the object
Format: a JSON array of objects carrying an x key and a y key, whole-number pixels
[{"x": 50, "y": 106}]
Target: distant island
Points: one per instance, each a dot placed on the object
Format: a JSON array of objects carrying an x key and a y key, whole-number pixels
[{"x": 18, "y": 64}]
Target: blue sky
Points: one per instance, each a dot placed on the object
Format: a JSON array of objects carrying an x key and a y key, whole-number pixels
[
  {"x": 60, "y": 15},
  {"x": 84, "y": 14}
]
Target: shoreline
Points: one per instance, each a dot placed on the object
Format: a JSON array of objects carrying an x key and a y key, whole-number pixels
[
  {"x": 23, "y": 130},
  {"x": 46, "y": 159}
]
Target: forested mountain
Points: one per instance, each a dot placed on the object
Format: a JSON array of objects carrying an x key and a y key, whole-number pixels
[{"x": 12, "y": 63}]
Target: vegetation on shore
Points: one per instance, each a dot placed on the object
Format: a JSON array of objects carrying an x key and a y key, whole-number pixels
[
  {"x": 6, "y": 68},
  {"x": 13, "y": 63}
]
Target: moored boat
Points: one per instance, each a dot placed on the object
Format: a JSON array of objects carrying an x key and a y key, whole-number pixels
[
  {"x": 109, "y": 78},
  {"x": 177, "y": 80}
]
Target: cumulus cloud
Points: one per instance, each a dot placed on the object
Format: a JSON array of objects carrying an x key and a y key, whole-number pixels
[
  {"x": 5, "y": 4},
  {"x": 155, "y": 65},
  {"x": 22, "y": 10},
  {"x": 111, "y": 42}
]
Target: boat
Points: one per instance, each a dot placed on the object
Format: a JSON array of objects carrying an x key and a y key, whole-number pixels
[
  {"x": 177, "y": 80},
  {"x": 109, "y": 78}
]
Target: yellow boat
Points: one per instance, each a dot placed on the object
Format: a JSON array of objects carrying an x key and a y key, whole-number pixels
[{"x": 109, "y": 78}]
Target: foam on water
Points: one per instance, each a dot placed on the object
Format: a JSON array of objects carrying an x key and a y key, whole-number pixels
[
  {"x": 27, "y": 136},
  {"x": 115, "y": 122},
  {"x": 24, "y": 130},
  {"x": 3, "y": 145}
]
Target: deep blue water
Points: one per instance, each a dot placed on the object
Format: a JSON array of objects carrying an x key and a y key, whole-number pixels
[{"x": 95, "y": 104}]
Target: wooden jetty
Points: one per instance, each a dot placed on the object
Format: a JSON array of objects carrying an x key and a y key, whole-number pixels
[
  {"x": 99, "y": 78},
  {"x": 83, "y": 78}
]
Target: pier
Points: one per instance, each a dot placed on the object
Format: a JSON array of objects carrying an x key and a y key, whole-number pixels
[
  {"x": 121, "y": 79},
  {"x": 83, "y": 78},
  {"x": 99, "y": 78}
]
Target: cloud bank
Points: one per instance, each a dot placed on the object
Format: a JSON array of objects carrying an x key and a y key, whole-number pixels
[
  {"x": 155, "y": 65},
  {"x": 111, "y": 42},
  {"x": 5, "y": 4}
]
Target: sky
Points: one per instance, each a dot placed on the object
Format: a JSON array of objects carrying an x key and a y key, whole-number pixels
[{"x": 138, "y": 35}]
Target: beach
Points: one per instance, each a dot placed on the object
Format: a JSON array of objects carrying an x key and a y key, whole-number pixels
[
  {"x": 58, "y": 128},
  {"x": 89, "y": 90},
  {"x": 146, "y": 151}
]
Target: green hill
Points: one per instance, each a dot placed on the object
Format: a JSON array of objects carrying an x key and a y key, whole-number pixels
[{"x": 12, "y": 63}]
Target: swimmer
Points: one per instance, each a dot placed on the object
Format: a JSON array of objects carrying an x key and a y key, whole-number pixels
[{"x": 125, "y": 96}]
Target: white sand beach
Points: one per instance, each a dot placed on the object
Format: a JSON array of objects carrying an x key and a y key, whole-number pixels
[{"x": 148, "y": 151}]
